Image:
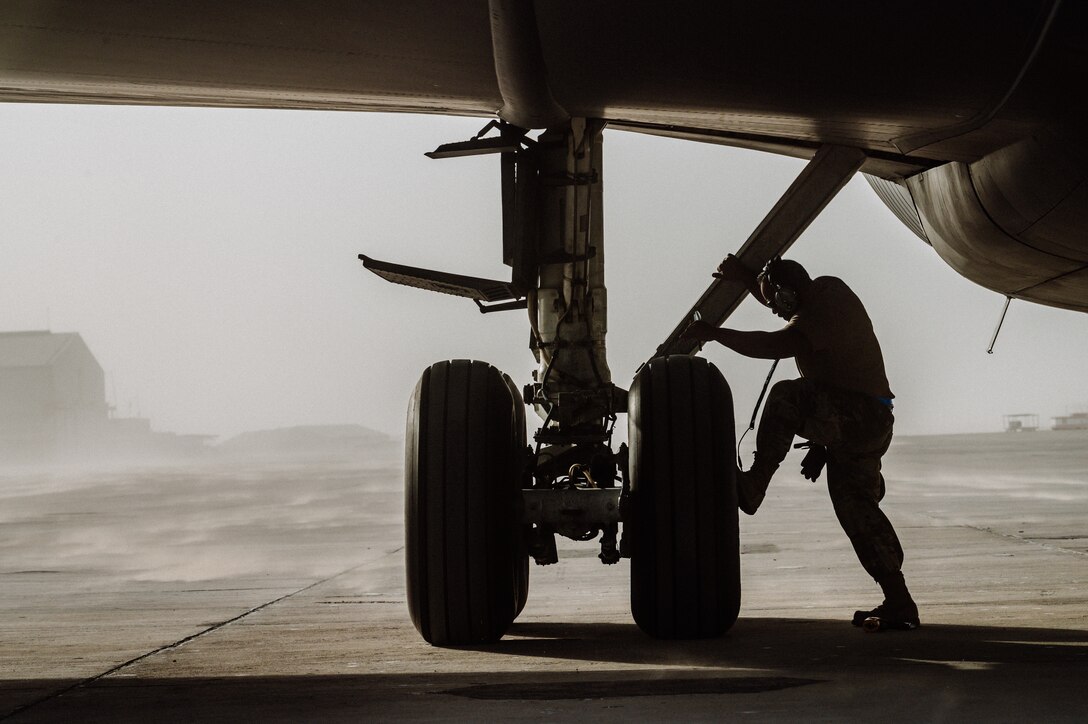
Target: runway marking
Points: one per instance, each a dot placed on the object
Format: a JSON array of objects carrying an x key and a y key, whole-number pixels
[{"x": 181, "y": 642}]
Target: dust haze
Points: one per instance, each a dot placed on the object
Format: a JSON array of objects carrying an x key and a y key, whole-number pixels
[
  {"x": 207, "y": 258},
  {"x": 252, "y": 379}
]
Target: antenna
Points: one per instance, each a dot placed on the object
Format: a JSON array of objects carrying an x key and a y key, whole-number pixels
[{"x": 1001, "y": 321}]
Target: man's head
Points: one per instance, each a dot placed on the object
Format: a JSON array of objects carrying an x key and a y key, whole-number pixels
[{"x": 781, "y": 283}]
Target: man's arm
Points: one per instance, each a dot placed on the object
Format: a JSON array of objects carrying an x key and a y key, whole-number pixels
[{"x": 787, "y": 342}]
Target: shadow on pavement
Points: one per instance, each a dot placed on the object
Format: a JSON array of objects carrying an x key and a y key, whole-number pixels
[
  {"x": 772, "y": 643},
  {"x": 917, "y": 675}
]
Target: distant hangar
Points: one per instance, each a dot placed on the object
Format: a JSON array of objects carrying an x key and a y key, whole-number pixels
[{"x": 52, "y": 395}]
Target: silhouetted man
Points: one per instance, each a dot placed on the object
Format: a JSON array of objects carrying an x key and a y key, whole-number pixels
[{"x": 842, "y": 404}]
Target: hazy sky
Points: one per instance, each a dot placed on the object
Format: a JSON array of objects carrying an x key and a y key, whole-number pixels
[{"x": 208, "y": 258}]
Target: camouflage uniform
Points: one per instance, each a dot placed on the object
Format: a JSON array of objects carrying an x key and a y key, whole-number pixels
[{"x": 856, "y": 428}]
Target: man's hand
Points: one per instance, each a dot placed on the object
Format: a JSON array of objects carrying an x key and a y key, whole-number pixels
[
  {"x": 699, "y": 331},
  {"x": 733, "y": 269},
  {"x": 813, "y": 463}
]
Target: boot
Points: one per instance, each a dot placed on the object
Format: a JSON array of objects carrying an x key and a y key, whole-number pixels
[
  {"x": 898, "y": 609},
  {"x": 752, "y": 484}
]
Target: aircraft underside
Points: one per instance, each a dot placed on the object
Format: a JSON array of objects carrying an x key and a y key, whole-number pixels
[{"x": 972, "y": 111}]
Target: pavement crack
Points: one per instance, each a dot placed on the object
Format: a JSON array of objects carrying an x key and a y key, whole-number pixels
[
  {"x": 1025, "y": 539},
  {"x": 1010, "y": 536},
  {"x": 166, "y": 647}
]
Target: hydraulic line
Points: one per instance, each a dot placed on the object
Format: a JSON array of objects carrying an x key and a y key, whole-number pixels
[{"x": 755, "y": 410}]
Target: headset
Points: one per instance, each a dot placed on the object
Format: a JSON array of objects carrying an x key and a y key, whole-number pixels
[{"x": 784, "y": 299}]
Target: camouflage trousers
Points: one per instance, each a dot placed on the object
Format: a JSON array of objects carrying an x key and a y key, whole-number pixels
[{"x": 856, "y": 429}]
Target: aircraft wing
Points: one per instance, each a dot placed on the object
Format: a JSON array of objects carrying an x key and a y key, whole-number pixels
[{"x": 786, "y": 78}]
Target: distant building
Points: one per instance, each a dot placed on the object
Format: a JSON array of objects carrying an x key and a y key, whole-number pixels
[
  {"x": 1021, "y": 423},
  {"x": 132, "y": 437},
  {"x": 52, "y": 395},
  {"x": 1076, "y": 421}
]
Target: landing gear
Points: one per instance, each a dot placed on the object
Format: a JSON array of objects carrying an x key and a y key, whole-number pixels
[
  {"x": 478, "y": 502},
  {"x": 682, "y": 517},
  {"x": 468, "y": 575}
]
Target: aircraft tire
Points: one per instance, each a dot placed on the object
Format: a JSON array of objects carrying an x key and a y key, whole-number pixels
[
  {"x": 685, "y": 561},
  {"x": 467, "y": 566},
  {"x": 521, "y": 581}
]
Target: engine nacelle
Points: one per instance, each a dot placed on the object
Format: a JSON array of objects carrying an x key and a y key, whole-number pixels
[{"x": 1014, "y": 221}]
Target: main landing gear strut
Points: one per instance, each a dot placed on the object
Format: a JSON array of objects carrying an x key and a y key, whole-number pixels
[{"x": 480, "y": 501}]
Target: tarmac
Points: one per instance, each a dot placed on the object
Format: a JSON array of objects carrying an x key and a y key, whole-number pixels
[{"x": 275, "y": 591}]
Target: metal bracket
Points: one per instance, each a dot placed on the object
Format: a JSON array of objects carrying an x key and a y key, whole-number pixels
[
  {"x": 509, "y": 140},
  {"x": 560, "y": 257},
  {"x": 459, "y": 285},
  {"x": 473, "y": 147},
  {"x": 570, "y": 179},
  {"x": 572, "y": 507},
  {"x": 553, "y": 436},
  {"x": 540, "y": 542},
  {"x": 522, "y": 303}
]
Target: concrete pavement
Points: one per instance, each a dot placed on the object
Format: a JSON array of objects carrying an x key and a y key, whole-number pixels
[{"x": 273, "y": 591}]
